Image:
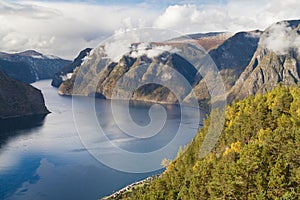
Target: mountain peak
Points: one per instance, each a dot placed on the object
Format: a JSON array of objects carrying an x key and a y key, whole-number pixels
[
  {"x": 291, "y": 23},
  {"x": 281, "y": 37},
  {"x": 30, "y": 53}
]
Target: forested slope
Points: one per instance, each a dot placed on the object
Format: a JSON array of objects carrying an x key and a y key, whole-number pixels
[{"x": 257, "y": 155}]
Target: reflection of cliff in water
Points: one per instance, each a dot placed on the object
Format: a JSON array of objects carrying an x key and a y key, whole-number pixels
[{"x": 10, "y": 127}]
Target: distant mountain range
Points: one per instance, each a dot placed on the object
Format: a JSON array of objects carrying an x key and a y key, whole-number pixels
[
  {"x": 248, "y": 62},
  {"x": 30, "y": 66}
]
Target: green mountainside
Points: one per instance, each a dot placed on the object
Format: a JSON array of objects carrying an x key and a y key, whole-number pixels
[{"x": 257, "y": 155}]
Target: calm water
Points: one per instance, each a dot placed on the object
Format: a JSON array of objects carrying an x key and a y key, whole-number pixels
[{"x": 49, "y": 161}]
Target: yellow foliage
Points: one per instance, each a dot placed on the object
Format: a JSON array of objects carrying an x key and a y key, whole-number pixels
[
  {"x": 234, "y": 148},
  {"x": 165, "y": 162},
  {"x": 195, "y": 167}
]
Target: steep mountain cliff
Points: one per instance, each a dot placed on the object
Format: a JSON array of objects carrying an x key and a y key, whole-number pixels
[
  {"x": 248, "y": 62},
  {"x": 276, "y": 60},
  {"x": 41, "y": 66},
  {"x": 18, "y": 99},
  {"x": 66, "y": 72},
  {"x": 150, "y": 69},
  {"x": 231, "y": 58},
  {"x": 224, "y": 55}
]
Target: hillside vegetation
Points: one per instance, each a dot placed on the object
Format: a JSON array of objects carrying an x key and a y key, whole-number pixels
[{"x": 257, "y": 155}]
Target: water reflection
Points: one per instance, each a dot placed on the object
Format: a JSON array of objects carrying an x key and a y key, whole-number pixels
[{"x": 12, "y": 127}]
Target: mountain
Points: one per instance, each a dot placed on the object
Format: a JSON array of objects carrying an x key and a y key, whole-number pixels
[
  {"x": 18, "y": 99},
  {"x": 17, "y": 70},
  {"x": 41, "y": 66},
  {"x": 276, "y": 60},
  {"x": 104, "y": 78},
  {"x": 228, "y": 57},
  {"x": 233, "y": 56},
  {"x": 224, "y": 55},
  {"x": 208, "y": 41},
  {"x": 67, "y": 71},
  {"x": 257, "y": 155},
  {"x": 248, "y": 62}
]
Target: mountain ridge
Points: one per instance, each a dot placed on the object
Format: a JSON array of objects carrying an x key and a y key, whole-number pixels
[
  {"x": 235, "y": 57},
  {"x": 41, "y": 66},
  {"x": 271, "y": 65}
]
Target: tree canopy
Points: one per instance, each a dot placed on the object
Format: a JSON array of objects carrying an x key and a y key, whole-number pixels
[{"x": 257, "y": 155}]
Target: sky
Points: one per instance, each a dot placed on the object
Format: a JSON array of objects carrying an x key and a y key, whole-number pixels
[{"x": 64, "y": 28}]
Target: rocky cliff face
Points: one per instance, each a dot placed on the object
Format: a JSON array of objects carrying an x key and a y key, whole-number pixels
[
  {"x": 224, "y": 56},
  {"x": 230, "y": 58},
  {"x": 233, "y": 56},
  {"x": 119, "y": 78},
  {"x": 276, "y": 60},
  {"x": 18, "y": 99},
  {"x": 41, "y": 66},
  {"x": 66, "y": 72}
]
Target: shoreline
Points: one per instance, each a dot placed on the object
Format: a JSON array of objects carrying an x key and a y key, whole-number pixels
[
  {"x": 12, "y": 117},
  {"x": 131, "y": 186}
]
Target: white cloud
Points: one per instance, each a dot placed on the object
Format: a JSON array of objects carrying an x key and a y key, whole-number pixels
[
  {"x": 115, "y": 50},
  {"x": 64, "y": 29},
  {"x": 236, "y": 15},
  {"x": 280, "y": 38},
  {"x": 151, "y": 51},
  {"x": 121, "y": 43}
]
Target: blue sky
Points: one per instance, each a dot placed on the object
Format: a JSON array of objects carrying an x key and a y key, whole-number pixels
[{"x": 64, "y": 28}]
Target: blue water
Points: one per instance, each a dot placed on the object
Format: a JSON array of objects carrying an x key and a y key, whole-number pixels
[{"x": 49, "y": 161}]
